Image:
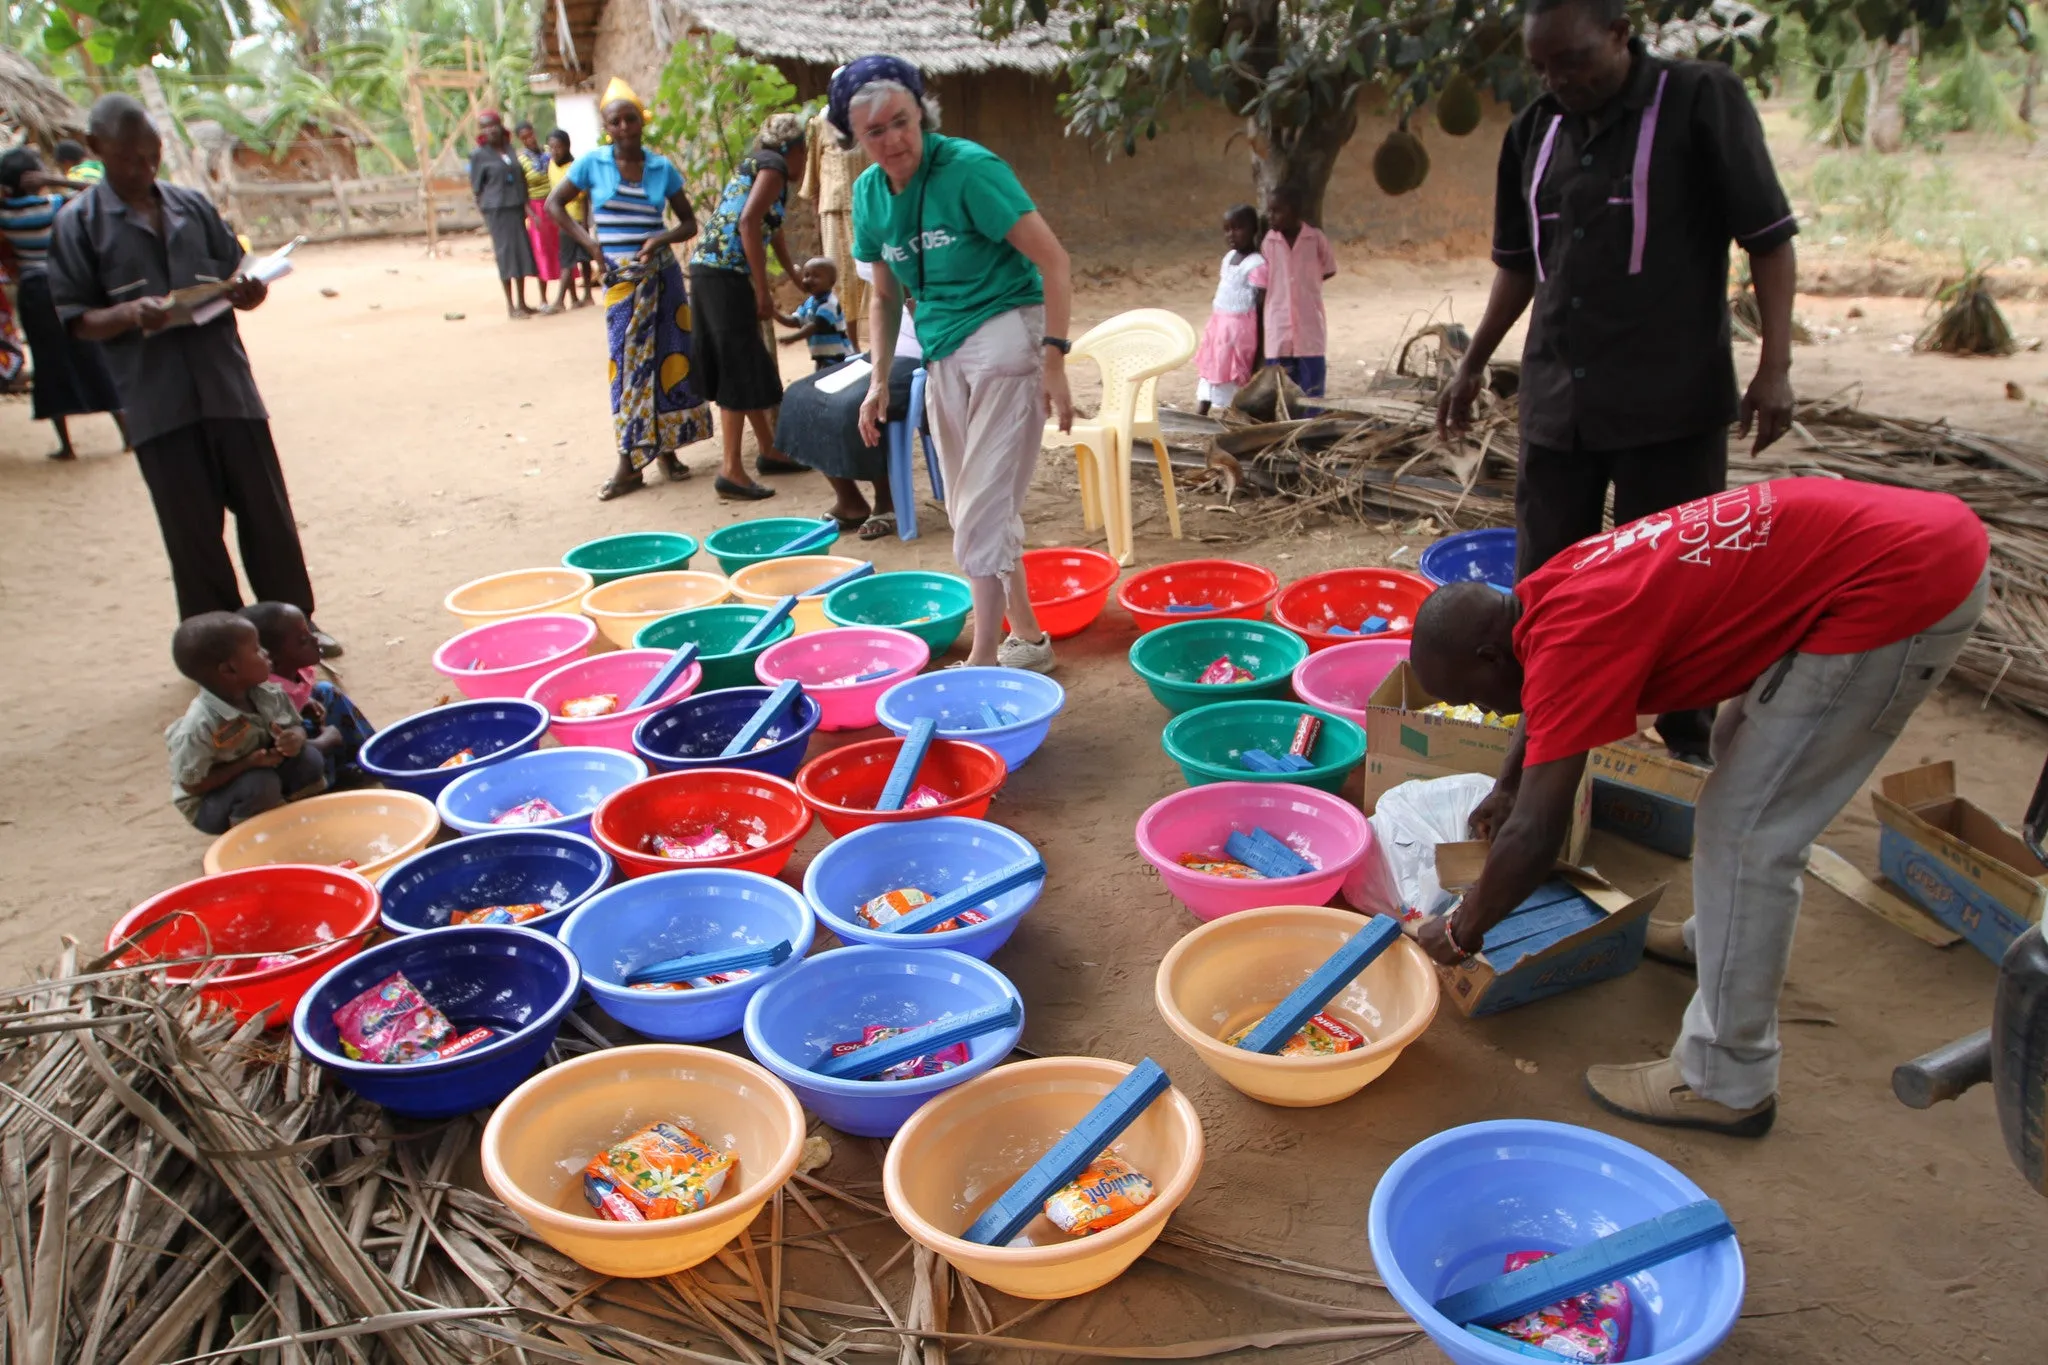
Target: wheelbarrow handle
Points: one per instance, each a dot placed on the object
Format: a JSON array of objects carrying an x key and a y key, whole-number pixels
[{"x": 1944, "y": 1073}]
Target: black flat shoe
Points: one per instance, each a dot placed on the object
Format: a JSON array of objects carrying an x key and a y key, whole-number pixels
[
  {"x": 743, "y": 492},
  {"x": 767, "y": 465}
]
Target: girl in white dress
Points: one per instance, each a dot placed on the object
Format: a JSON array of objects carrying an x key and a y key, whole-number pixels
[{"x": 1232, "y": 342}]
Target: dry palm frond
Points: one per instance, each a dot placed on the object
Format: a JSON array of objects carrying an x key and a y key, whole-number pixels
[{"x": 1969, "y": 322}]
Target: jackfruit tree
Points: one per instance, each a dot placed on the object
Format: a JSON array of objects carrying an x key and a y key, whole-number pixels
[{"x": 1295, "y": 71}]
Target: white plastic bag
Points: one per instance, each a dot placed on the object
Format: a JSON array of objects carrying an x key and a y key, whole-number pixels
[{"x": 1398, "y": 877}]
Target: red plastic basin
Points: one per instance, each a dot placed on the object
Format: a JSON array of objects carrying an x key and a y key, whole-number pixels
[
  {"x": 272, "y": 909},
  {"x": 683, "y": 803},
  {"x": 1346, "y": 597},
  {"x": 1209, "y": 587},
  {"x": 842, "y": 786},
  {"x": 1068, "y": 588}
]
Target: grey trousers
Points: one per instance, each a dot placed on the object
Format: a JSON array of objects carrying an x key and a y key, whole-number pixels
[
  {"x": 986, "y": 405},
  {"x": 1788, "y": 755},
  {"x": 261, "y": 789}
]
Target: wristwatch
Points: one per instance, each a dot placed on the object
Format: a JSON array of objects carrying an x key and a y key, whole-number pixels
[{"x": 1060, "y": 344}]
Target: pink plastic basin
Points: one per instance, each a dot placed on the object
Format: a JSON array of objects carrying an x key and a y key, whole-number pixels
[
  {"x": 1341, "y": 679},
  {"x": 505, "y": 658},
  {"x": 826, "y": 662},
  {"x": 622, "y": 673},
  {"x": 1323, "y": 828}
]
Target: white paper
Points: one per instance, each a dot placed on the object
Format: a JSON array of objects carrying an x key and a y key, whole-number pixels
[
  {"x": 268, "y": 269},
  {"x": 846, "y": 376}
]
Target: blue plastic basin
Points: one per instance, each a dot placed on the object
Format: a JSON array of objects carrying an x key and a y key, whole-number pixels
[
  {"x": 1472, "y": 556},
  {"x": 935, "y": 856},
  {"x": 692, "y": 732},
  {"x": 505, "y": 977},
  {"x": 574, "y": 781},
  {"x": 408, "y": 754},
  {"x": 1450, "y": 1209},
  {"x": 675, "y": 914},
  {"x": 1027, "y": 702},
  {"x": 504, "y": 867},
  {"x": 793, "y": 1022}
]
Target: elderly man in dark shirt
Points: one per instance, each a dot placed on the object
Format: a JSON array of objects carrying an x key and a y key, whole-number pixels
[
  {"x": 1618, "y": 193},
  {"x": 201, "y": 434}
]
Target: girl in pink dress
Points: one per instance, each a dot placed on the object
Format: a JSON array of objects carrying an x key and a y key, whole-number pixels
[{"x": 1232, "y": 342}]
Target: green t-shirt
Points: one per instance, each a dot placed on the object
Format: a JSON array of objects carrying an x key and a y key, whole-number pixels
[{"x": 954, "y": 261}]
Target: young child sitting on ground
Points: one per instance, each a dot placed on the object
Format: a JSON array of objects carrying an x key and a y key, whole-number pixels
[
  {"x": 294, "y": 655},
  {"x": 819, "y": 317},
  {"x": 1297, "y": 261},
  {"x": 239, "y": 749},
  {"x": 1231, "y": 342}
]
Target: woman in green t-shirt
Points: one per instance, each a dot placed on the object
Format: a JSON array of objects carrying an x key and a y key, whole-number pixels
[{"x": 945, "y": 221}]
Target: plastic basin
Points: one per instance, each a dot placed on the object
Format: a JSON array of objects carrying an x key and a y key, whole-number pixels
[
  {"x": 507, "y": 978},
  {"x": 1341, "y": 678},
  {"x": 1231, "y": 972},
  {"x": 756, "y": 542},
  {"x": 505, "y": 658},
  {"x": 1473, "y": 556},
  {"x": 674, "y": 914},
  {"x": 573, "y": 781},
  {"x": 1171, "y": 660},
  {"x": 769, "y": 581},
  {"x": 1068, "y": 588},
  {"x": 716, "y": 631},
  {"x": 1452, "y": 1206},
  {"x": 796, "y": 1019},
  {"x": 537, "y": 1143},
  {"x": 504, "y": 867},
  {"x": 1207, "y": 741},
  {"x": 1346, "y": 597},
  {"x": 843, "y": 785},
  {"x": 693, "y": 733},
  {"x": 1326, "y": 829},
  {"x": 255, "y": 910},
  {"x": 1207, "y": 587},
  {"x": 958, "y": 1153},
  {"x": 373, "y": 830},
  {"x": 609, "y": 558},
  {"x": 931, "y": 606},
  {"x": 935, "y": 856},
  {"x": 624, "y": 605},
  {"x": 954, "y": 698},
  {"x": 519, "y": 592},
  {"x": 745, "y": 804},
  {"x": 622, "y": 672},
  {"x": 829, "y": 663},
  {"x": 408, "y": 754}
]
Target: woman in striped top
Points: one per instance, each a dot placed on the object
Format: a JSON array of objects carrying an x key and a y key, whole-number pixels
[
  {"x": 71, "y": 376},
  {"x": 656, "y": 408},
  {"x": 540, "y": 229}
]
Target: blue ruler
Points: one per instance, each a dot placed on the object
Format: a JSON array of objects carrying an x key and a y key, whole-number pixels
[
  {"x": 824, "y": 533},
  {"x": 666, "y": 676},
  {"x": 861, "y": 570},
  {"x": 1020, "y": 873},
  {"x": 765, "y": 627},
  {"x": 909, "y": 759},
  {"x": 1068, "y": 1157},
  {"x": 1613, "y": 1257},
  {"x": 671, "y": 970},
  {"x": 992, "y": 719},
  {"x": 1359, "y": 952},
  {"x": 786, "y": 692},
  {"x": 1265, "y": 855},
  {"x": 920, "y": 1041}
]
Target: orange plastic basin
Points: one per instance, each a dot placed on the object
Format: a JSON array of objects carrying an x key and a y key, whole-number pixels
[
  {"x": 376, "y": 830},
  {"x": 766, "y": 583},
  {"x": 624, "y": 606},
  {"x": 520, "y": 592}
]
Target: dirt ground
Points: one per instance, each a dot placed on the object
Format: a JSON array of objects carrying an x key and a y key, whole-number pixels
[{"x": 424, "y": 451}]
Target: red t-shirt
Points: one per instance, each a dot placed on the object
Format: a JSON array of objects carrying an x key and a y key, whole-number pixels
[{"x": 1688, "y": 607}]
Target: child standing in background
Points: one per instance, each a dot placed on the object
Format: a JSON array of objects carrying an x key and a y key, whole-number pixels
[
  {"x": 240, "y": 748},
  {"x": 1231, "y": 342},
  {"x": 818, "y": 319},
  {"x": 1297, "y": 261},
  {"x": 338, "y": 728},
  {"x": 576, "y": 262}
]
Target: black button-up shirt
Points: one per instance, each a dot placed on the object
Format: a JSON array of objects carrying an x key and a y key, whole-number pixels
[
  {"x": 496, "y": 179},
  {"x": 101, "y": 255},
  {"x": 1625, "y": 216}
]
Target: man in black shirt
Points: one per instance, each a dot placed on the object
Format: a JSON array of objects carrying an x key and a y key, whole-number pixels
[
  {"x": 201, "y": 434},
  {"x": 1617, "y": 195}
]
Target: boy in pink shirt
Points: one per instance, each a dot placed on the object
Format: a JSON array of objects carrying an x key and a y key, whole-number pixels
[
  {"x": 294, "y": 651},
  {"x": 1298, "y": 260}
]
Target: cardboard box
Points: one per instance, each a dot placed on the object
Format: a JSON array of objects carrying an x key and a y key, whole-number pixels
[
  {"x": 1400, "y": 739},
  {"x": 1600, "y": 952},
  {"x": 1645, "y": 795},
  {"x": 1962, "y": 865}
]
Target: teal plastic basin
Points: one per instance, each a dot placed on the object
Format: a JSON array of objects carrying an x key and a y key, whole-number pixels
[
  {"x": 900, "y": 599},
  {"x": 613, "y": 557},
  {"x": 715, "y": 630},
  {"x": 1171, "y": 659},
  {"x": 751, "y": 542},
  {"x": 1207, "y": 741}
]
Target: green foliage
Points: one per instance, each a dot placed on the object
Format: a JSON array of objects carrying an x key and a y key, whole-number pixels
[
  {"x": 1968, "y": 97},
  {"x": 1864, "y": 194},
  {"x": 120, "y": 34},
  {"x": 709, "y": 108}
]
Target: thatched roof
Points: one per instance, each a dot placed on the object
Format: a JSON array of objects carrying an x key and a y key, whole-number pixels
[
  {"x": 34, "y": 107},
  {"x": 938, "y": 35}
]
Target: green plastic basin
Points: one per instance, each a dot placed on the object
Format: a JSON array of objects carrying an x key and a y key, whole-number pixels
[
  {"x": 1171, "y": 659},
  {"x": 1206, "y": 743},
  {"x": 715, "y": 630},
  {"x": 613, "y": 557},
  {"x": 931, "y": 606},
  {"x": 751, "y": 542}
]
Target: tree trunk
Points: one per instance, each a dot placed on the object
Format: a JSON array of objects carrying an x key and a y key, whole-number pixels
[
  {"x": 1887, "y": 115},
  {"x": 1302, "y": 158}
]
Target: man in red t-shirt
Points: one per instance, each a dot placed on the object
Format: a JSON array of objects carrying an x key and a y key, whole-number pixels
[{"x": 1823, "y": 611}]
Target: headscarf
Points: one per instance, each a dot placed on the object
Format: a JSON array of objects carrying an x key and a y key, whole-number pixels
[
  {"x": 848, "y": 80},
  {"x": 619, "y": 90},
  {"x": 481, "y": 140}
]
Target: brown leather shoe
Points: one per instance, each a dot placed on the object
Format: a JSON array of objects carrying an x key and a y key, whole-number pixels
[
  {"x": 1665, "y": 942},
  {"x": 1655, "y": 1092}
]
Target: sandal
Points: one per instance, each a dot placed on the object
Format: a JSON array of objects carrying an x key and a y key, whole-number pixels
[
  {"x": 616, "y": 487},
  {"x": 768, "y": 464},
  {"x": 673, "y": 469},
  {"x": 879, "y": 525},
  {"x": 845, "y": 523},
  {"x": 743, "y": 492}
]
